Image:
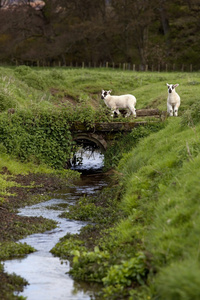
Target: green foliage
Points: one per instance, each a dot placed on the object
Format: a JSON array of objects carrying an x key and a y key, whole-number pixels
[
  {"x": 124, "y": 143},
  {"x": 68, "y": 246},
  {"x": 84, "y": 212},
  {"x": 180, "y": 281},
  {"x": 157, "y": 176},
  {"x": 57, "y": 75},
  {"x": 160, "y": 181},
  {"x": 14, "y": 284},
  {"x": 90, "y": 266},
  {"x": 161, "y": 184},
  {"x": 5, "y": 100},
  {"x": 44, "y": 137},
  {"x": 87, "y": 209},
  {"x": 13, "y": 250},
  {"x": 191, "y": 117},
  {"x": 128, "y": 271},
  {"x": 124, "y": 275},
  {"x": 5, "y": 184},
  {"x": 36, "y": 81},
  {"x": 22, "y": 70},
  {"x": 32, "y": 78}
]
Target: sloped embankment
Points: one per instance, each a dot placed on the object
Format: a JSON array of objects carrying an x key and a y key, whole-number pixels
[
  {"x": 152, "y": 251},
  {"x": 161, "y": 178}
]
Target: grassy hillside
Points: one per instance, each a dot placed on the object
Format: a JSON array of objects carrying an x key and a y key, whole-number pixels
[
  {"x": 152, "y": 251},
  {"x": 25, "y": 88},
  {"x": 39, "y": 96}
]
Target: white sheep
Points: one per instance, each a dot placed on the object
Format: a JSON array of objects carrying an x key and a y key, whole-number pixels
[
  {"x": 173, "y": 100},
  {"x": 117, "y": 102}
]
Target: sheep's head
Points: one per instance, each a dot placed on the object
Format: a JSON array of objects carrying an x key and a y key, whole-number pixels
[
  {"x": 105, "y": 93},
  {"x": 171, "y": 87}
]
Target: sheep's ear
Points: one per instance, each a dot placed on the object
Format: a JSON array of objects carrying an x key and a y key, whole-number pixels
[
  {"x": 176, "y": 85},
  {"x": 167, "y": 84},
  {"x": 110, "y": 91}
]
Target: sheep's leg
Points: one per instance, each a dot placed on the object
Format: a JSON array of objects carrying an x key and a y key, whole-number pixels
[
  {"x": 131, "y": 111},
  {"x": 176, "y": 110},
  {"x": 170, "y": 109},
  {"x": 114, "y": 110},
  {"x": 128, "y": 114}
]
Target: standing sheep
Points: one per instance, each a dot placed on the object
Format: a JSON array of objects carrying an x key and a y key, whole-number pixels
[
  {"x": 173, "y": 100},
  {"x": 117, "y": 102}
]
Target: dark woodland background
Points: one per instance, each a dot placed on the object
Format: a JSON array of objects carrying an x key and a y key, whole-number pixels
[{"x": 98, "y": 31}]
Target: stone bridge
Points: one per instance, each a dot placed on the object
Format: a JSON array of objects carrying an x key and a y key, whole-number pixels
[{"x": 100, "y": 134}]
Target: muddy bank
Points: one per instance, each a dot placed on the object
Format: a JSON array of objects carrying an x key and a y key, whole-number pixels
[
  {"x": 34, "y": 188},
  {"x": 47, "y": 276}
]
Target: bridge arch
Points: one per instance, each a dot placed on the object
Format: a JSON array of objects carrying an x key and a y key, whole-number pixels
[{"x": 91, "y": 138}]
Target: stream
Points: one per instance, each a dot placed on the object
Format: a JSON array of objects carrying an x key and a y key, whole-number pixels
[{"x": 46, "y": 274}]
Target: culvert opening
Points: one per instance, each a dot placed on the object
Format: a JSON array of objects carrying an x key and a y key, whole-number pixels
[{"x": 88, "y": 158}]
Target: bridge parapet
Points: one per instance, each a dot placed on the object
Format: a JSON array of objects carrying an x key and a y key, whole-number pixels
[
  {"x": 154, "y": 115},
  {"x": 101, "y": 133}
]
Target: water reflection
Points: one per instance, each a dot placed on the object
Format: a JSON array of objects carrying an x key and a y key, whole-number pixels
[{"x": 91, "y": 161}]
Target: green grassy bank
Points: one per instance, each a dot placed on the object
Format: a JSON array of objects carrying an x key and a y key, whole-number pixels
[
  {"x": 150, "y": 250},
  {"x": 161, "y": 201}
]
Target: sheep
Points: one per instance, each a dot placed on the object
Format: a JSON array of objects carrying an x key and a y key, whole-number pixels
[
  {"x": 173, "y": 100},
  {"x": 117, "y": 102}
]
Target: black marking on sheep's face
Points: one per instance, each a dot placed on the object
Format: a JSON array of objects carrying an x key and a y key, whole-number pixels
[
  {"x": 171, "y": 87},
  {"x": 104, "y": 94}
]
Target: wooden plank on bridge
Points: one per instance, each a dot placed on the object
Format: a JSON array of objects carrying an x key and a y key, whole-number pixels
[
  {"x": 155, "y": 114},
  {"x": 116, "y": 126},
  {"x": 108, "y": 126},
  {"x": 148, "y": 112}
]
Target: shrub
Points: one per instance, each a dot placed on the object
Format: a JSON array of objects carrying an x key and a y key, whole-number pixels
[
  {"x": 133, "y": 269},
  {"x": 91, "y": 266},
  {"x": 22, "y": 70},
  {"x": 42, "y": 137},
  {"x": 6, "y": 100},
  {"x": 131, "y": 272}
]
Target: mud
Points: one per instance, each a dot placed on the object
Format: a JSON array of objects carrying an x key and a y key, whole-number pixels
[{"x": 14, "y": 227}]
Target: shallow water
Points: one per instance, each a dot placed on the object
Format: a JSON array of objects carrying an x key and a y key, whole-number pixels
[{"x": 45, "y": 273}]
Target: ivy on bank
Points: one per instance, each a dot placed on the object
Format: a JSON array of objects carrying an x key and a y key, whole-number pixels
[{"x": 42, "y": 137}]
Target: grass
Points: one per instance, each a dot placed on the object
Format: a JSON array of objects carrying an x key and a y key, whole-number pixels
[
  {"x": 162, "y": 206},
  {"x": 158, "y": 178},
  {"x": 27, "y": 87},
  {"x": 11, "y": 167}
]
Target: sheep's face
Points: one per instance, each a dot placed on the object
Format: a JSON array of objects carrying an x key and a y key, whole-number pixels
[
  {"x": 105, "y": 93},
  {"x": 171, "y": 87}
]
